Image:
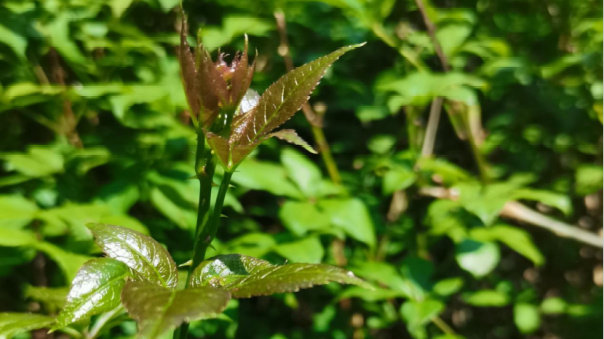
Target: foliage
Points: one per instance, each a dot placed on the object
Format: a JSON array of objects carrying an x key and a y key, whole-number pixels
[{"x": 97, "y": 129}]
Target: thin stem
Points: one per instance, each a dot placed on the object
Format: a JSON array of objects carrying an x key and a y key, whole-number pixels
[
  {"x": 205, "y": 166},
  {"x": 517, "y": 211},
  {"x": 443, "y": 326},
  {"x": 432, "y": 127},
  {"x": 314, "y": 118},
  {"x": 209, "y": 229},
  {"x": 102, "y": 321},
  {"x": 432, "y": 33}
]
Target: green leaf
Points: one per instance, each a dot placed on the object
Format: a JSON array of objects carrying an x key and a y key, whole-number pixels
[
  {"x": 487, "y": 298},
  {"x": 14, "y": 323},
  {"x": 448, "y": 286},
  {"x": 95, "y": 289},
  {"x": 247, "y": 276},
  {"x": 478, "y": 258},
  {"x": 308, "y": 250},
  {"x": 16, "y": 211},
  {"x": 53, "y": 298},
  {"x": 553, "y": 305},
  {"x": 397, "y": 178},
  {"x": 283, "y": 98},
  {"x": 140, "y": 252},
  {"x": 158, "y": 309},
  {"x": 261, "y": 175},
  {"x": 526, "y": 317},
  {"x": 302, "y": 171},
  {"x": 352, "y": 216},
  {"x": 292, "y": 137},
  {"x": 300, "y": 217},
  {"x": 418, "y": 313},
  {"x": 553, "y": 199},
  {"x": 515, "y": 238},
  {"x": 588, "y": 179}
]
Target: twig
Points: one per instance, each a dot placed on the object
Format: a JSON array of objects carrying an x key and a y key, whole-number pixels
[
  {"x": 432, "y": 33},
  {"x": 432, "y": 127},
  {"x": 68, "y": 120},
  {"x": 443, "y": 326},
  {"x": 517, "y": 211},
  {"x": 315, "y": 120}
]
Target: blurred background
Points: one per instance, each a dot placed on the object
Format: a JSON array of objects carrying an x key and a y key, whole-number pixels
[{"x": 460, "y": 167}]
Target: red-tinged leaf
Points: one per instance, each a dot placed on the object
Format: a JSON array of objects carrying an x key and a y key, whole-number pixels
[
  {"x": 229, "y": 155},
  {"x": 212, "y": 86},
  {"x": 188, "y": 71},
  {"x": 282, "y": 99},
  {"x": 242, "y": 76},
  {"x": 158, "y": 309},
  {"x": 292, "y": 137}
]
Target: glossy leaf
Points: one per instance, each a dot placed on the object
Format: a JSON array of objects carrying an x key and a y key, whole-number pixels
[
  {"x": 140, "y": 252},
  {"x": 158, "y": 309},
  {"x": 15, "y": 323},
  {"x": 247, "y": 276},
  {"x": 283, "y": 98},
  {"x": 95, "y": 289}
]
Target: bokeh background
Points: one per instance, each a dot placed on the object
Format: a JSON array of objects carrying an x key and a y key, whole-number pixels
[{"x": 94, "y": 127}]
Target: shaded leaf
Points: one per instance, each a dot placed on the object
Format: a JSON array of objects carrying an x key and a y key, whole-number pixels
[
  {"x": 352, "y": 216},
  {"x": 15, "y": 323},
  {"x": 247, "y": 276},
  {"x": 95, "y": 289},
  {"x": 158, "y": 309},
  {"x": 140, "y": 252}
]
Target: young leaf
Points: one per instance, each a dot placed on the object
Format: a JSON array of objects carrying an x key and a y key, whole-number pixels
[
  {"x": 283, "y": 98},
  {"x": 158, "y": 309},
  {"x": 140, "y": 252},
  {"x": 15, "y": 323},
  {"x": 95, "y": 289},
  {"x": 246, "y": 277},
  {"x": 292, "y": 137}
]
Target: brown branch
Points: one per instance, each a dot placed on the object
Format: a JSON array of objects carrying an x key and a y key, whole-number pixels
[
  {"x": 315, "y": 119},
  {"x": 68, "y": 121},
  {"x": 519, "y": 212},
  {"x": 432, "y": 127},
  {"x": 432, "y": 33}
]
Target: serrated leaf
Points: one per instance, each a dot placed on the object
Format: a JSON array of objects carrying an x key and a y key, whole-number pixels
[
  {"x": 140, "y": 252},
  {"x": 158, "y": 309},
  {"x": 95, "y": 289},
  {"x": 246, "y": 277},
  {"x": 15, "y": 323},
  {"x": 283, "y": 98},
  {"x": 292, "y": 137}
]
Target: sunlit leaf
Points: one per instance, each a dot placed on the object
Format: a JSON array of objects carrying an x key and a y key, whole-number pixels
[
  {"x": 478, "y": 258},
  {"x": 140, "y": 252},
  {"x": 292, "y": 137},
  {"x": 15, "y": 323},
  {"x": 247, "y": 276},
  {"x": 158, "y": 309},
  {"x": 95, "y": 289},
  {"x": 283, "y": 98}
]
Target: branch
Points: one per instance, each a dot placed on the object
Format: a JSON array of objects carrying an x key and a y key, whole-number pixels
[
  {"x": 431, "y": 128},
  {"x": 314, "y": 119},
  {"x": 432, "y": 33},
  {"x": 517, "y": 211}
]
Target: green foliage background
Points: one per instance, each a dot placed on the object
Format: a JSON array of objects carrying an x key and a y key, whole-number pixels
[{"x": 93, "y": 128}]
